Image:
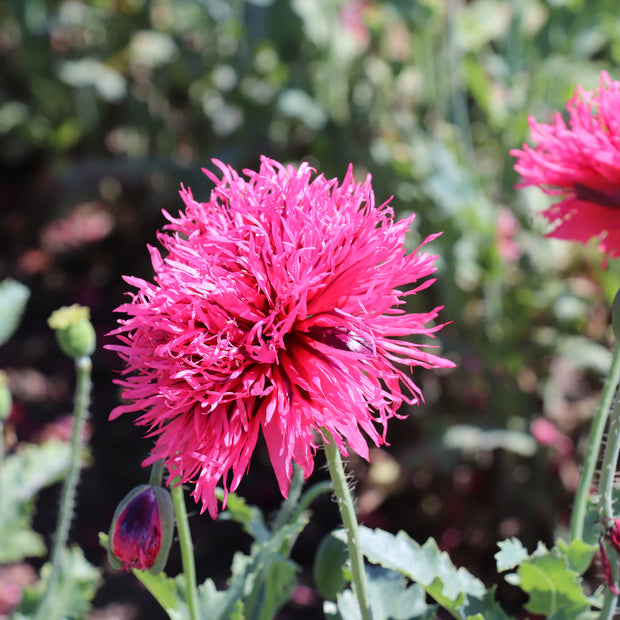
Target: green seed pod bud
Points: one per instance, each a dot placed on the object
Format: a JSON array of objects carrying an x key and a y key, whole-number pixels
[
  {"x": 74, "y": 331},
  {"x": 329, "y": 562},
  {"x": 141, "y": 531},
  {"x": 6, "y": 400}
]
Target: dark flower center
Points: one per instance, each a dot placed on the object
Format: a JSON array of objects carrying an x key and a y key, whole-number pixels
[
  {"x": 340, "y": 338},
  {"x": 603, "y": 198}
]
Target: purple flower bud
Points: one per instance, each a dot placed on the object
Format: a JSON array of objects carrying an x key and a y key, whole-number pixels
[{"x": 141, "y": 530}]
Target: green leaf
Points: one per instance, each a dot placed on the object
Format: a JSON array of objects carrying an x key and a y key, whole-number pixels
[
  {"x": 455, "y": 589},
  {"x": 511, "y": 553},
  {"x": 22, "y": 475},
  {"x": 273, "y": 589},
  {"x": 578, "y": 553},
  {"x": 74, "y": 591},
  {"x": 571, "y": 615},
  {"x": 485, "y": 607},
  {"x": 249, "y": 517},
  {"x": 423, "y": 564},
  {"x": 13, "y": 299},
  {"x": 389, "y": 599},
  {"x": 330, "y": 560},
  {"x": 267, "y": 560},
  {"x": 261, "y": 582},
  {"x": 346, "y": 607},
  {"x": 551, "y": 585},
  {"x": 163, "y": 588}
]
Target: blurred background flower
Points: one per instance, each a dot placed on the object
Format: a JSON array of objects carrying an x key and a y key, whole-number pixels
[{"x": 578, "y": 163}]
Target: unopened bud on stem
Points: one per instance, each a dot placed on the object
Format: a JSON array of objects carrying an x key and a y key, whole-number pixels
[
  {"x": 74, "y": 331},
  {"x": 141, "y": 530}
]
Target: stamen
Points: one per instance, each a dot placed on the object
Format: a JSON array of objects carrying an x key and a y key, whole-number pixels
[
  {"x": 597, "y": 196},
  {"x": 341, "y": 338}
]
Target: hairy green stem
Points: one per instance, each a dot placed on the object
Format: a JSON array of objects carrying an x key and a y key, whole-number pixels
[
  {"x": 83, "y": 367},
  {"x": 349, "y": 520},
  {"x": 594, "y": 445},
  {"x": 608, "y": 467},
  {"x": 606, "y": 488},
  {"x": 187, "y": 549}
]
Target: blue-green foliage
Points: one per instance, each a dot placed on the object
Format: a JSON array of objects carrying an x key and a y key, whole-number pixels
[
  {"x": 261, "y": 581},
  {"x": 550, "y": 577},
  {"x": 75, "y": 589},
  {"x": 433, "y": 573},
  {"x": 13, "y": 299},
  {"x": 22, "y": 475}
]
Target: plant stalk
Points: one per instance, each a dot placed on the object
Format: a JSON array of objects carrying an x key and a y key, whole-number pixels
[
  {"x": 594, "y": 445},
  {"x": 608, "y": 473},
  {"x": 187, "y": 549},
  {"x": 83, "y": 367},
  {"x": 349, "y": 520}
]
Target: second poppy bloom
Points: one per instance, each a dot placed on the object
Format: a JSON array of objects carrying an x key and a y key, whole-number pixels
[{"x": 579, "y": 162}]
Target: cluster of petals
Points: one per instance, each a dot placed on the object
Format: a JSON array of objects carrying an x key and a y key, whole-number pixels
[
  {"x": 277, "y": 308},
  {"x": 580, "y": 163}
]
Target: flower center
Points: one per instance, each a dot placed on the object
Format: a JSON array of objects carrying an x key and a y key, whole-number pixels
[
  {"x": 603, "y": 198},
  {"x": 340, "y": 338}
]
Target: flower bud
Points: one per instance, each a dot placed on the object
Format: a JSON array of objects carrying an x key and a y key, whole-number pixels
[
  {"x": 141, "y": 530},
  {"x": 74, "y": 331},
  {"x": 6, "y": 400}
]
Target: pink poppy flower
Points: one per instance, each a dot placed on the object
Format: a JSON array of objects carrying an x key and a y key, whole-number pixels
[
  {"x": 277, "y": 308},
  {"x": 581, "y": 164}
]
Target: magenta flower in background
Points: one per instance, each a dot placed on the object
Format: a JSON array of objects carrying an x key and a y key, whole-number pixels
[
  {"x": 581, "y": 164},
  {"x": 278, "y": 308}
]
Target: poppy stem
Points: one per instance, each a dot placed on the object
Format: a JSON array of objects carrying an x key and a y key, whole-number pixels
[
  {"x": 608, "y": 473},
  {"x": 608, "y": 470},
  {"x": 349, "y": 520},
  {"x": 187, "y": 549},
  {"x": 83, "y": 367},
  {"x": 594, "y": 444}
]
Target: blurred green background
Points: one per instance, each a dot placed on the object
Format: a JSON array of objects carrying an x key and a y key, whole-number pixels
[{"x": 107, "y": 106}]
